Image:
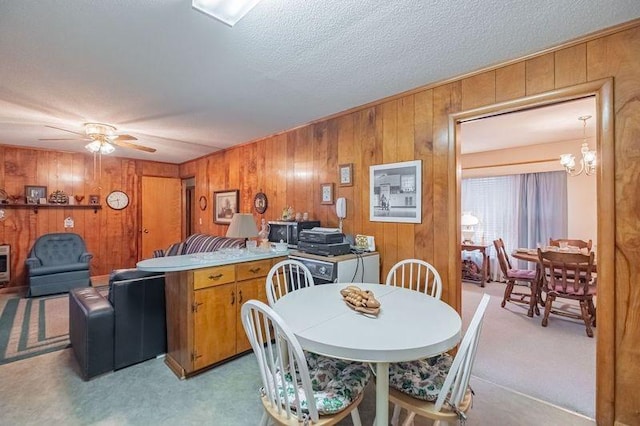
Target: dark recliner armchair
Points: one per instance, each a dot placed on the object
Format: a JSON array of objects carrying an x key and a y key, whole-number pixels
[
  {"x": 57, "y": 263},
  {"x": 126, "y": 328}
]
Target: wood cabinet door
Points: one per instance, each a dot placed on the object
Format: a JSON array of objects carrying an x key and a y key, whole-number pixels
[
  {"x": 214, "y": 325},
  {"x": 247, "y": 290}
]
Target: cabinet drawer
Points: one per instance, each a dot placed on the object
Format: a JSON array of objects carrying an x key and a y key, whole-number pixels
[
  {"x": 249, "y": 270},
  {"x": 209, "y": 277}
]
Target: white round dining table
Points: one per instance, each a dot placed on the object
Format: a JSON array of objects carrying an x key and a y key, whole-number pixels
[{"x": 411, "y": 325}]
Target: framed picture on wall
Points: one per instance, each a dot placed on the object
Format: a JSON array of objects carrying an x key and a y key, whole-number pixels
[
  {"x": 395, "y": 193},
  {"x": 33, "y": 193},
  {"x": 225, "y": 204},
  {"x": 326, "y": 191},
  {"x": 345, "y": 172}
]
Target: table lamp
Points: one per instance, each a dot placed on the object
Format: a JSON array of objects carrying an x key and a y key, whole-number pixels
[
  {"x": 468, "y": 221},
  {"x": 242, "y": 226}
]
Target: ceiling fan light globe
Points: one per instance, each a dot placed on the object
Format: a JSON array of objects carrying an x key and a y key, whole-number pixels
[
  {"x": 106, "y": 148},
  {"x": 93, "y": 146}
]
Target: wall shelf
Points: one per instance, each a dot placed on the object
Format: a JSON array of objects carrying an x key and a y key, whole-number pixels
[{"x": 35, "y": 207}]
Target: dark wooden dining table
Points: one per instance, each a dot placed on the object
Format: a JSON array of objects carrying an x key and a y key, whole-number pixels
[{"x": 531, "y": 255}]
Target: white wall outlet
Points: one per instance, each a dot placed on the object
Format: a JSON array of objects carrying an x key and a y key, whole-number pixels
[{"x": 68, "y": 222}]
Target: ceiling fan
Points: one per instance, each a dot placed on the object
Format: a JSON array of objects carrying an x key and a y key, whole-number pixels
[{"x": 102, "y": 138}]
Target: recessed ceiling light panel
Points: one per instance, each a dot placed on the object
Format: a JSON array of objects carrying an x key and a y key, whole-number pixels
[{"x": 226, "y": 11}]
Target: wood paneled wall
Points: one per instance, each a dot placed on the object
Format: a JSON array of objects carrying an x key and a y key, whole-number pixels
[
  {"x": 290, "y": 167},
  {"x": 112, "y": 236}
]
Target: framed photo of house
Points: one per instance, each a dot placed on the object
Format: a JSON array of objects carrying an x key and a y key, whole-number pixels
[
  {"x": 225, "y": 204},
  {"x": 396, "y": 192},
  {"x": 33, "y": 193}
]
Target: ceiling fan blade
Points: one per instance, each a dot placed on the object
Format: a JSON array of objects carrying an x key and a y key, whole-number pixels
[
  {"x": 132, "y": 145},
  {"x": 60, "y": 139},
  {"x": 125, "y": 138},
  {"x": 65, "y": 130}
]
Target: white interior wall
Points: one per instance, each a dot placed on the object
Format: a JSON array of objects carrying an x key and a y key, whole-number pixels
[{"x": 581, "y": 190}]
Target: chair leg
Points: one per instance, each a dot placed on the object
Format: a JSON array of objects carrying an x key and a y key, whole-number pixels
[
  {"x": 355, "y": 417},
  {"x": 396, "y": 415},
  {"x": 547, "y": 310},
  {"x": 264, "y": 420},
  {"x": 507, "y": 292},
  {"x": 409, "y": 420},
  {"x": 586, "y": 317},
  {"x": 592, "y": 311}
]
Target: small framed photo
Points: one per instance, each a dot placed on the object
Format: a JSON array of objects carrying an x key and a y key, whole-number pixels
[
  {"x": 33, "y": 193},
  {"x": 346, "y": 174},
  {"x": 326, "y": 191},
  {"x": 225, "y": 204},
  {"x": 94, "y": 200}
]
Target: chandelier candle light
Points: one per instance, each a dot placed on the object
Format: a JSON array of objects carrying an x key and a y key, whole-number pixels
[{"x": 588, "y": 161}]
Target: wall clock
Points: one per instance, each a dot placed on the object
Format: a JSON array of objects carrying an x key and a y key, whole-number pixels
[
  {"x": 260, "y": 202},
  {"x": 117, "y": 200},
  {"x": 203, "y": 202}
]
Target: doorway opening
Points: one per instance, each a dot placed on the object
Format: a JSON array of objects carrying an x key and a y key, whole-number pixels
[
  {"x": 602, "y": 90},
  {"x": 514, "y": 184},
  {"x": 189, "y": 220}
]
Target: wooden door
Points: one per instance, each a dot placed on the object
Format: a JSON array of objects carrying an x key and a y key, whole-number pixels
[
  {"x": 214, "y": 325},
  {"x": 161, "y": 214},
  {"x": 247, "y": 290}
]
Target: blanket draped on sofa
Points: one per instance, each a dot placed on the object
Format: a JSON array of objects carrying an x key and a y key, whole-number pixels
[{"x": 200, "y": 243}]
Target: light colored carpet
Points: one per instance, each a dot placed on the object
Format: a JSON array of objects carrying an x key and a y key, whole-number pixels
[
  {"x": 48, "y": 390},
  {"x": 554, "y": 364}
]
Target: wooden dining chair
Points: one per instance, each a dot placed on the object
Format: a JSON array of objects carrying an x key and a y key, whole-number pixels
[
  {"x": 573, "y": 243},
  {"x": 515, "y": 276},
  {"x": 285, "y": 276},
  {"x": 300, "y": 388},
  {"x": 569, "y": 276},
  {"x": 416, "y": 274},
  {"x": 437, "y": 387}
]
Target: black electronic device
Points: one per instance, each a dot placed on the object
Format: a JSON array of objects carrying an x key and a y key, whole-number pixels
[
  {"x": 335, "y": 249},
  {"x": 320, "y": 237}
]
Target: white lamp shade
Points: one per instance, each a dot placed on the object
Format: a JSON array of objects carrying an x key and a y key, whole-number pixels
[
  {"x": 469, "y": 220},
  {"x": 242, "y": 226}
]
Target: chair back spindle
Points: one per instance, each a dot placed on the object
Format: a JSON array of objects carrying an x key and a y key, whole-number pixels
[
  {"x": 288, "y": 275},
  {"x": 416, "y": 274}
]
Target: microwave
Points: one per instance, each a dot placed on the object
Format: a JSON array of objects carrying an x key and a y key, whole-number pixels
[{"x": 289, "y": 232}]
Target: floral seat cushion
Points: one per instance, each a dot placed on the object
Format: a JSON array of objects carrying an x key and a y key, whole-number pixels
[
  {"x": 336, "y": 383},
  {"x": 421, "y": 379}
]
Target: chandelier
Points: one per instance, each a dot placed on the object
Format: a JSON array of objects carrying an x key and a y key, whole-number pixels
[{"x": 588, "y": 160}]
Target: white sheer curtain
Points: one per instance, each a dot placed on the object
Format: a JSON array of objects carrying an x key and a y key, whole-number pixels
[
  {"x": 495, "y": 202},
  {"x": 523, "y": 210}
]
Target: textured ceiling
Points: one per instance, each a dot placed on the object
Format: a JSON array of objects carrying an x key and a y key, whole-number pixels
[{"x": 187, "y": 85}]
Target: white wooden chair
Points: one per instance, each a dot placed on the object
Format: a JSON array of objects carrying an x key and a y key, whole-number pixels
[
  {"x": 455, "y": 397},
  {"x": 286, "y": 371},
  {"x": 288, "y": 275},
  {"x": 416, "y": 274}
]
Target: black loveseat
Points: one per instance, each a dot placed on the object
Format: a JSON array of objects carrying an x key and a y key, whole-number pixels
[{"x": 126, "y": 328}]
